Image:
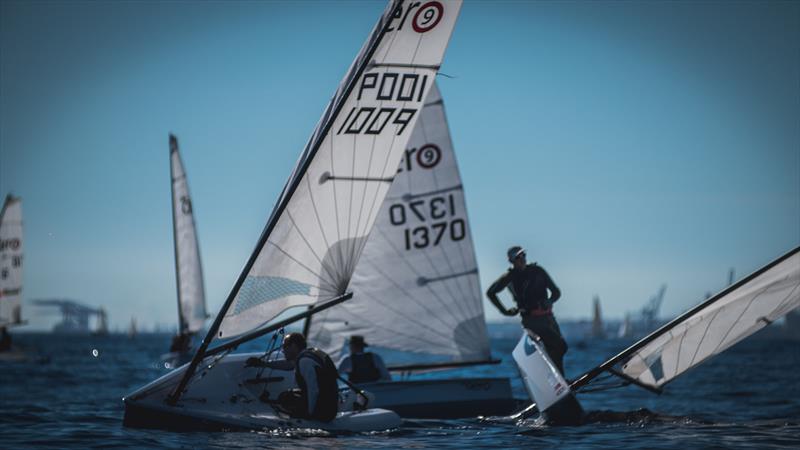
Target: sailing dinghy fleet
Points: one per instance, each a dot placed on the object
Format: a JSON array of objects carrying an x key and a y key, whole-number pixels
[
  {"x": 370, "y": 235},
  {"x": 312, "y": 241}
]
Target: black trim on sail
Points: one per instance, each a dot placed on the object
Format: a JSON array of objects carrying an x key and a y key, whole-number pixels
[
  {"x": 294, "y": 181},
  {"x": 608, "y": 365}
]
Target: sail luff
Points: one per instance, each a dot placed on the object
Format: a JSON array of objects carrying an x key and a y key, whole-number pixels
[{"x": 681, "y": 320}]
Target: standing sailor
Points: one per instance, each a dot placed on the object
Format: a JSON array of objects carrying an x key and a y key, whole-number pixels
[
  {"x": 361, "y": 366},
  {"x": 529, "y": 285}
]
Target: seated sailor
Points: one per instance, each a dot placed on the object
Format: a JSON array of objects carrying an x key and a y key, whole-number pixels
[
  {"x": 361, "y": 366},
  {"x": 317, "y": 394}
]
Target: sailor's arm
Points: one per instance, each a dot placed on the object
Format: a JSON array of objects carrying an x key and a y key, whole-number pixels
[
  {"x": 346, "y": 366},
  {"x": 495, "y": 289},
  {"x": 555, "y": 293}
]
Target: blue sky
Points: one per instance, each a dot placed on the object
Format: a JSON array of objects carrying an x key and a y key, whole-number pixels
[{"x": 625, "y": 144}]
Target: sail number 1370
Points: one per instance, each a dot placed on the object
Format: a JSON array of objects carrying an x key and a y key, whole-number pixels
[{"x": 436, "y": 213}]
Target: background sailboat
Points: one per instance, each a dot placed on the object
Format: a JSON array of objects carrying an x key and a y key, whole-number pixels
[
  {"x": 188, "y": 270},
  {"x": 11, "y": 253},
  {"x": 416, "y": 291}
]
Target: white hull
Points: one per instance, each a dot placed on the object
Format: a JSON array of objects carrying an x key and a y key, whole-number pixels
[{"x": 232, "y": 396}]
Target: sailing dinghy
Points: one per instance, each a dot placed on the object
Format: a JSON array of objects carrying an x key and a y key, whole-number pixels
[
  {"x": 312, "y": 241},
  {"x": 188, "y": 271},
  {"x": 416, "y": 290},
  {"x": 10, "y": 275},
  {"x": 696, "y": 335}
]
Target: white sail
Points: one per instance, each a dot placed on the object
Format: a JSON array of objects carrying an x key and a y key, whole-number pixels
[
  {"x": 311, "y": 244},
  {"x": 416, "y": 287},
  {"x": 11, "y": 261},
  {"x": 722, "y": 321},
  {"x": 188, "y": 271}
]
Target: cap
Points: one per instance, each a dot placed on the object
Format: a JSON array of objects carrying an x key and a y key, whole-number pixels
[
  {"x": 357, "y": 340},
  {"x": 514, "y": 252}
]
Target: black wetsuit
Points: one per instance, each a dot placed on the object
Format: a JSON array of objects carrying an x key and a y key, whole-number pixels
[
  {"x": 327, "y": 404},
  {"x": 529, "y": 288},
  {"x": 364, "y": 369}
]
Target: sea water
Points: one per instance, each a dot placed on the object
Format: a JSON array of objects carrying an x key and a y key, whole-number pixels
[{"x": 68, "y": 392}]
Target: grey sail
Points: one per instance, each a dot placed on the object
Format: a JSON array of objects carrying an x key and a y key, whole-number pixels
[
  {"x": 188, "y": 270},
  {"x": 416, "y": 287},
  {"x": 11, "y": 258}
]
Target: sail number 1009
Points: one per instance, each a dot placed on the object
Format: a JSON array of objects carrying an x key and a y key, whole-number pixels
[{"x": 438, "y": 211}]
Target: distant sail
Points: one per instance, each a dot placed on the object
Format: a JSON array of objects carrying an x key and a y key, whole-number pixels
[
  {"x": 314, "y": 237},
  {"x": 11, "y": 253},
  {"x": 711, "y": 327},
  {"x": 416, "y": 287},
  {"x": 188, "y": 271}
]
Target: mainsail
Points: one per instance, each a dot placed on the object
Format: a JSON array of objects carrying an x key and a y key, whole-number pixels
[
  {"x": 313, "y": 239},
  {"x": 188, "y": 271},
  {"x": 11, "y": 262},
  {"x": 711, "y": 327},
  {"x": 416, "y": 287}
]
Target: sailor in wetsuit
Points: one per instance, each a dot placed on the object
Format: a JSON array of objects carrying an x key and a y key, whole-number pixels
[
  {"x": 361, "y": 366},
  {"x": 529, "y": 285},
  {"x": 317, "y": 395}
]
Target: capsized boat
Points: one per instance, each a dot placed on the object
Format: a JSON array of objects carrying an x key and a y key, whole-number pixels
[
  {"x": 696, "y": 335},
  {"x": 312, "y": 241},
  {"x": 188, "y": 270},
  {"x": 11, "y": 253},
  {"x": 416, "y": 290}
]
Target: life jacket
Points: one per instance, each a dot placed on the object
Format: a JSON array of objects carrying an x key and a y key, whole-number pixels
[
  {"x": 363, "y": 368},
  {"x": 327, "y": 403}
]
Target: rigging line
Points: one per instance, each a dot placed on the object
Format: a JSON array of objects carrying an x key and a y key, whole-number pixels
[
  {"x": 435, "y": 102},
  {"x": 467, "y": 306},
  {"x": 313, "y": 252},
  {"x": 680, "y": 348},
  {"x": 318, "y": 276},
  {"x": 413, "y": 299},
  {"x": 335, "y": 275}
]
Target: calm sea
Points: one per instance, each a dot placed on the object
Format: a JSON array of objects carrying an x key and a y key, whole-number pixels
[{"x": 749, "y": 397}]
